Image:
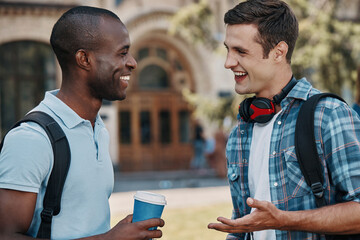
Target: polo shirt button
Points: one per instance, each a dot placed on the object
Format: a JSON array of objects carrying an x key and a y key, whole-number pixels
[
  {"x": 279, "y": 122},
  {"x": 276, "y": 184},
  {"x": 274, "y": 153},
  {"x": 242, "y": 132}
]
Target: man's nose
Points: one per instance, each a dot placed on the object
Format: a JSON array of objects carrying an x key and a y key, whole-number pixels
[
  {"x": 131, "y": 63},
  {"x": 230, "y": 61}
]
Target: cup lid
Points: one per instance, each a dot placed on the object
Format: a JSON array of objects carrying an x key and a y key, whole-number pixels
[{"x": 150, "y": 197}]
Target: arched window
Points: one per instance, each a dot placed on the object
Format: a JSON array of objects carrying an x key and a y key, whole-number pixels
[
  {"x": 155, "y": 120},
  {"x": 27, "y": 70},
  {"x": 153, "y": 77}
]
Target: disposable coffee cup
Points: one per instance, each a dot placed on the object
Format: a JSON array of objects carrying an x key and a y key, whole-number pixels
[{"x": 148, "y": 205}]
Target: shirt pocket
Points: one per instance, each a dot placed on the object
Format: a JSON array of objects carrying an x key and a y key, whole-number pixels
[
  {"x": 235, "y": 187},
  {"x": 233, "y": 176},
  {"x": 296, "y": 185}
]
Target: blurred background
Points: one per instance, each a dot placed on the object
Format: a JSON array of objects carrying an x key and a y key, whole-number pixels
[
  {"x": 180, "y": 91},
  {"x": 169, "y": 135}
]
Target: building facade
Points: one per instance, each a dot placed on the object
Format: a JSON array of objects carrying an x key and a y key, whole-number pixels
[{"x": 152, "y": 128}]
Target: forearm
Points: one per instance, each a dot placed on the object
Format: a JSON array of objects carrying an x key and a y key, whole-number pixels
[
  {"x": 18, "y": 236},
  {"x": 338, "y": 219},
  {"x": 96, "y": 237},
  {"x": 14, "y": 236}
]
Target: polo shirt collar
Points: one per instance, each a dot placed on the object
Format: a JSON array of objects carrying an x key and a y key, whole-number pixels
[{"x": 69, "y": 117}]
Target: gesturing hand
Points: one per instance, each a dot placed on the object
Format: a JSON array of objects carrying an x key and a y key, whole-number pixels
[{"x": 265, "y": 216}]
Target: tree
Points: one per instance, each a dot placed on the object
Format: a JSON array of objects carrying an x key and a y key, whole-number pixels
[
  {"x": 194, "y": 23},
  {"x": 327, "y": 50},
  {"x": 219, "y": 112}
]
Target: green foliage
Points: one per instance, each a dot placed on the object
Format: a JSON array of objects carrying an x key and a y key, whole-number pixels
[
  {"x": 214, "y": 110},
  {"x": 327, "y": 50},
  {"x": 194, "y": 23}
]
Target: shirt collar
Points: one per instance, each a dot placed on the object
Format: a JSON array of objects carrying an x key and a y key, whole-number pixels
[
  {"x": 69, "y": 117},
  {"x": 300, "y": 91}
]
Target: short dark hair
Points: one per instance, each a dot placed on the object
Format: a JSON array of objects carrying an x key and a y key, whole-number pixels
[
  {"x": 275, "y": 21},
  {"x": 76, "y": 29}
]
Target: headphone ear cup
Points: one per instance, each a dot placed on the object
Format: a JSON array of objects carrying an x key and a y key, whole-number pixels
[
  {"x": 264, "y": 110},
  {"x": 244, "y": 109},
  {"x": 260, "y": 110}
]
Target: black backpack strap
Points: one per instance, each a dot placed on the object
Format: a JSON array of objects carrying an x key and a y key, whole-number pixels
[
  {"x": 61, "y": 151},
  {"x": 305, "y": 147}
]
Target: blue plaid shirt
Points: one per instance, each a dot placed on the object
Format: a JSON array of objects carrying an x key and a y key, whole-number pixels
[{"x": 337, "y": 133}]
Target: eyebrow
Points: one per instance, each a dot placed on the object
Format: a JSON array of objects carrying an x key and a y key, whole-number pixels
[
  {"x": 241, "y": 49},
  {"x": 126, "y": 47}
]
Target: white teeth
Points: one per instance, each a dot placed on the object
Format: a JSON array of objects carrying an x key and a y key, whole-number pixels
[
  {"x": 240, "y": 73},
  {"x": 125, "y": 78}
]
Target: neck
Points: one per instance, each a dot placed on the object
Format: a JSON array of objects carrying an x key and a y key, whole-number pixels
[
  {"x": 285, "y": 89},
  {"x": 86, "y": 107},
  {"x": 275, "y": 83}
]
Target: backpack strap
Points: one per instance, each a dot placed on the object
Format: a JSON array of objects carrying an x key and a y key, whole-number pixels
[
  {"x": 61, "y": 151},
  {"x": 305, "y": 147}
]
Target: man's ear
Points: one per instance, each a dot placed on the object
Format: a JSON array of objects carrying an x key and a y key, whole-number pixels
[
  {"x": 82, "y": 59},
  {"x": 280, "y": 51}
]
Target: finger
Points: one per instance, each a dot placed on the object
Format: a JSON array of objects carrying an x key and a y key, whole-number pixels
[
  {"x": 225, "y": 228},
  {"x": 128, "y": 219},
  {"x": 250, "y": 202},
  {"x": 223, "y": 221},
  {"x": 155, "y": 234},
  {"x": 162, "y": 223},
  {"x": 214, "y": 225},
  {"x": 218, "y": 226},
  {"x": 254, "y": 203},
  {"x": 154, "y": 222},
  {"x": 229, "y": 222}
]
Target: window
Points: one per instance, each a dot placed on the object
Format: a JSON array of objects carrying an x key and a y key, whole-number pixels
[
  {"x": 153, "y": 77},
  {"x": 160, "y": 65},
  {"x": 184, "y": 126},
  {"x": 27, "y": 70},
  {"x": 165, "y": 127},
  {"x": 145, "y": 127},
  {"x": 125, "y": 127},
  {"x": 143, "y": 53},
  {"x": 118, "y": 2},
  {"x": 178, "y": 65},
  {"x": 161, "y": 53}
]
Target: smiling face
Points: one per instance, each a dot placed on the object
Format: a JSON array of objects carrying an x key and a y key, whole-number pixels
[
  {"x": 113, "y": 63},
  {"x": 253, "y": 73}
]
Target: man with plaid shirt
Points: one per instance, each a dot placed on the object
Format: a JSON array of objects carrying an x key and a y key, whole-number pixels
[{"x": 270, "y": 196}]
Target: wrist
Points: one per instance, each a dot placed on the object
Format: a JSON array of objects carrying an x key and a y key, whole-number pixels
[{"x": 288, "y": 222}]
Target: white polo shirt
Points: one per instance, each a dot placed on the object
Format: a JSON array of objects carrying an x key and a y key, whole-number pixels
[{"x": 26, "y": 162}]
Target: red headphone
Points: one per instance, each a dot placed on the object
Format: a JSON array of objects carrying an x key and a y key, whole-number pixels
[{"x": 262, "y": 110}]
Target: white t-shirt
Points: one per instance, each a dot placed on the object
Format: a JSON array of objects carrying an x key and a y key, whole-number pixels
[{"x": 259, "y": 169}]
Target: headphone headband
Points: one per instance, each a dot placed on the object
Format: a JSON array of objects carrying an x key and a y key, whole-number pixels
[
  {"x": 279, "y": 97},
  {"x": 260, "y": 109}
]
